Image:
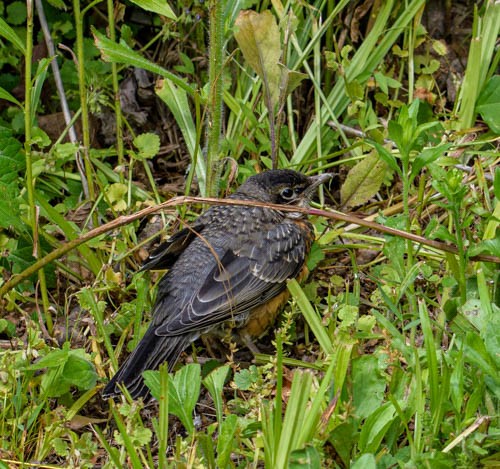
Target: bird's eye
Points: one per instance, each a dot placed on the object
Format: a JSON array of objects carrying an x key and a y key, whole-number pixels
[{"x": 287, "y": 193}]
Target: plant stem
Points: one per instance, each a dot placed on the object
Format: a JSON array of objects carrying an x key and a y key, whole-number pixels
[
  {"x": 83, "y": 101},
  {"x": 116, "y": 92},
  {"x": 317, "y": 104},
  {"x": 461, "y": 252},
  {"x": 410, "y": 258},
  {"x": 30, "y": 180},
  {"x": 214, "y": 105},
  {"x": 412, "y": 36}
]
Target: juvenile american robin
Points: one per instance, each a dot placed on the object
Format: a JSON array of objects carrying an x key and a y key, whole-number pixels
[{"x": 230, "y": 266}]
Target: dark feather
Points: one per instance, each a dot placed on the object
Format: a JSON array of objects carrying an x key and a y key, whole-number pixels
[
  {"x": 239, "y": 281},
  {"x": 164, "y": 256},
  {"x": 149, "y": 354}
]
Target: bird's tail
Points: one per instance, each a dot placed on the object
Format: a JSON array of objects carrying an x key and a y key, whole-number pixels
[{"x": 149, "y": 354}]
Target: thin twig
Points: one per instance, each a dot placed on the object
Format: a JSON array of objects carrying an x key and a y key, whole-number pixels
[
  {"x": 60, "y": 91},
  {"x": 468, "y": 431},
  {"x": 352, "y": 132},
  {"x": 181, "y": 200}
]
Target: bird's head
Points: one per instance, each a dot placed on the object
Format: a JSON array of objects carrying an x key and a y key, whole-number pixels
[{"x": 282, "y": 186}]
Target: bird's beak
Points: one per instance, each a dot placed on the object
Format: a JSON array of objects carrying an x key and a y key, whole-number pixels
[
  {"x": 314, "y": 182},
  {"x": 317, "y": 180}
]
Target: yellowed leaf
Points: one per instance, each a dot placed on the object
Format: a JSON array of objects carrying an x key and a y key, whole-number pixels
[
  {"x": 259, "y": 39},
  {"x": 80, "y": 421}
]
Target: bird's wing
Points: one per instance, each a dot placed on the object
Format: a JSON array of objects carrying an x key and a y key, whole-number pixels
[
  {"x": 242, "y": 278},
  {"x": 166, "y": 253}
]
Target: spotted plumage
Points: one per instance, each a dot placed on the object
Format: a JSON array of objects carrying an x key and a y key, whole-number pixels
[{"x": 229, "y": 266}]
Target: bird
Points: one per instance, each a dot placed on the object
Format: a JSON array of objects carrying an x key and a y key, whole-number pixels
[{"x": 228, "y": 268}]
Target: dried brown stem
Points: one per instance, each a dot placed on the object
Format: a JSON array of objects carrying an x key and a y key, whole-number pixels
[{"x": 182, "y": 200}]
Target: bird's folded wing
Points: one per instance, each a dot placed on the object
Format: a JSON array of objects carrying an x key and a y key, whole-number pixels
[
  {"x": 243, "y": 278},
  {"x": 166, "y": 253}
]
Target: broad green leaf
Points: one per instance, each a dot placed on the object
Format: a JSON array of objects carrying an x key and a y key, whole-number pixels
[
  {"x": 475, "y": 353},
  {"x": 366, "y": 324},
  {"x": 348, "y": 314},
  {"x": 12, "y": 160},
  {"x": 53, "y": 384},
  {"x": 366, "y": 461},
  {"x": 355, "y": 90},
  {"x": 440, "y": 47},
  {"x": 160, "y": 7},
  {"x": 316, "y": 255},
  {"x": 306, "y": 458},
  {"x": 343, "y": 438},
  {"x": 115, "y": 194},
  {"x": 147, "y": 144},
  {"x": 386, "y": 82},
  {"x": 243, "y": 379},
  {"x": 225, "y": 440},
  {"x": 10, "y": 201},
  {"x": 363, "y": 181},
  {"x": 214, "y": 382},
  {"x": 368, "y": 385},
  {"x": 7, "y": 327},
  {"x": 152, "y": 381},
  {"x": 121, "y": 53},
  {"x": 259, "y": 39},
  {"x": 79, "y": 372},
  {"x": 20, "y": 258},
  {"x": 16, "y": 13},
  {"x": 474, "y": 312},
  {"x": 65, "y": 368},
  {"x": 53, "y": 359},
  {"x": 39, "y": 137},
  {"x": 426, "y": 157},
  {"x": 177, "y": 405},
  {"x": 65, "y": 151},
  {"x": 488, "y": 104},
  {"x": 491, "y": 336},
  {"x": 375, "y": 427},
  {"x": 395, "y": 250},
  {"x": 183, "y": 392},
  {"x": 396, "y": 132},
  {"x": 205, "y": 443},
  {"x": 431, "y": 67}
]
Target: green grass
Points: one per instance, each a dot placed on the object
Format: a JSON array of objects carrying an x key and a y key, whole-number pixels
[{"x": 388, "y": 356}]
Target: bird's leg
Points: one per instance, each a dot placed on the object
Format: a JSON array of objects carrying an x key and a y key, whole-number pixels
[{"x": 246, "y": 339}]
